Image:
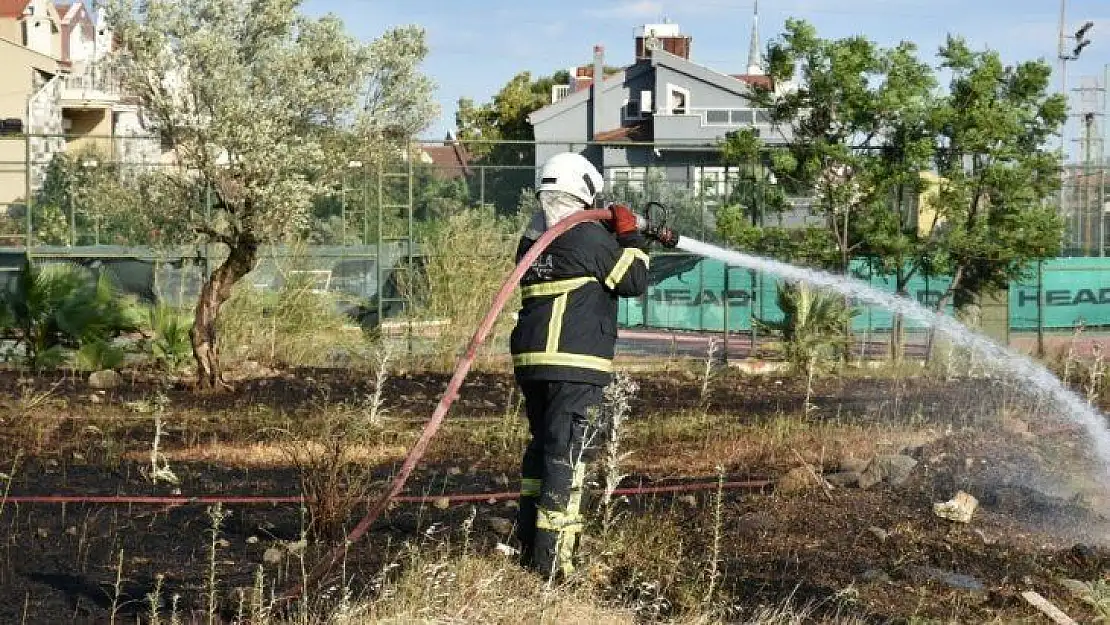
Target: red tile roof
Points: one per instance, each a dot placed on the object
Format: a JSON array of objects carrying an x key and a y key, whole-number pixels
[
  {"x": 449, "y": 161},
  {"x": 13, "y": 8},
  {"x": 643, "y": 131},
  {"x": 755, "y": 80}
]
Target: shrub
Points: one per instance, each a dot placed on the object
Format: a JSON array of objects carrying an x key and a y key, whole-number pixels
[
  {"x": 60, "y": 306},
  {"x": 169, "y": 345},
  {"x": 469, "y": 255},
  {"x": 813, "y": 327}
]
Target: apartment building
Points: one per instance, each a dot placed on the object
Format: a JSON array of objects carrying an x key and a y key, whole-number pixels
[{"x": 58, "y": 94}]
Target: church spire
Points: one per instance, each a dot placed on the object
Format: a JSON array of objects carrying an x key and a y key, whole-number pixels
[{"x": 755, "y": 65}]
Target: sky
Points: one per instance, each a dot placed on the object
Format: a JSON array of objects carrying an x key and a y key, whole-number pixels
[{"x": 476, "y": 46}]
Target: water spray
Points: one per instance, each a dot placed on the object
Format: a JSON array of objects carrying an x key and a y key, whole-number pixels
[{"x": 654, "y": 224}]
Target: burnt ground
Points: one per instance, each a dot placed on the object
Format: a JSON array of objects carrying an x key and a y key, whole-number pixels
[{"x": 60, "y": 563}]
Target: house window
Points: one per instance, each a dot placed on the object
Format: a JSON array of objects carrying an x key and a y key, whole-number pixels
[
  {"x": 711, "y": 183},
  {"x": 678, "y": 100},
  {"x": 717, "y": 117},
  {"x": 741, "y": 117},
  {"x": 623, "y": 179},
  {"x": 632, "y": 110}
]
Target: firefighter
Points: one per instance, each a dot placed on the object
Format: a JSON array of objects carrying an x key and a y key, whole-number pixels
[{"x": 563, "y": 346}]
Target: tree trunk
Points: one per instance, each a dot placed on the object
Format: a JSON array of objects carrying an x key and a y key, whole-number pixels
[
  {"x": 216, "y": 290},
  {"x": 957, "y": 281}
]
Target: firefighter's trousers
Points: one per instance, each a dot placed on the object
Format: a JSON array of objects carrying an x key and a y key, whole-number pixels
[{"x": 553, "y": 473}]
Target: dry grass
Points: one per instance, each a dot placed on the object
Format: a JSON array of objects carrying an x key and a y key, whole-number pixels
[
  {"x": 484, "y": 589},
  {"x": 269, "y": 455},
  {"x": 697, "y": 443}
]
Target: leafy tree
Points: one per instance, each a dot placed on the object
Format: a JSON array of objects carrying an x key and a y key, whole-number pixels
[
  {"x": 505, "y": 118},
  {"x": 833, "y": 121},
  {"x": 759, "y": 194},
  {"x": 265, "y": 107},
  {"x": 887, "y": 226},
  {"x": 992, "y": 131}
]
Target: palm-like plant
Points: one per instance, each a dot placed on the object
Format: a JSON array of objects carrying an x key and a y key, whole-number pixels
[
  {"x": 59, "y": 306},
  {"x": 813, "y": 327},
  {"x": 170, "y": 345}
]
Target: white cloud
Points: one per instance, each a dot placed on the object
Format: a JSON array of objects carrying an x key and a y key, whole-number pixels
[{"x": 630, "y": 9}]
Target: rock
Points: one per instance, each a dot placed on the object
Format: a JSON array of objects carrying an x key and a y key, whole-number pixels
[
  {"x": 104, "y": 380},
  {"x": 273, "y": 555},
  {"x": 951, "y": 579},
  {"x": 296, "y": 546},
  {"x": 506, "y": 550},
  {"x": 844, "y": 479},
  {"x": 1077, "y": 588},
  {"x": 500, "y": 525},
  {"x": 442, "y": 503},
  {"x": 253, "y": 540},
  {"x": 892, "y": 469},
  {"x": 689, "y": 500},
  {"x": 454, "y": 471},
  {"x": 987, "y": 540},
  {"x": 95, "y": 399},
  {"x": 959, "y": 508},
  {"x": 43, "y": 532},
  {"x": 877, "y": 576},
  {"x": 223, "y": 543},
  {"x": 512, "y": 504},
  {"x": 852, "y": 464},
  {"x": 878, "y": 533},
  {"x": 797, "y": 480}
]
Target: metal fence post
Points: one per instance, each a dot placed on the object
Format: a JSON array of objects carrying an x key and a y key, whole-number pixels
[
  {"x": 1040, "y": 309},
  {"x": 28, "y": 202},
  {"x": 755, "y": 294},
  {"x": 482, "y": 186},
  {"x": 724, "y": 313}
]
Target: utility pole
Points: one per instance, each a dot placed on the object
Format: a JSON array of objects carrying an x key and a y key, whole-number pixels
[{"x": 1064, "y": 55}]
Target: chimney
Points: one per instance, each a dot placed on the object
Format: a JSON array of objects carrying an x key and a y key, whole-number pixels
[
  {"x": 667, "y": 37},
  {"x": 596, "y": 87}
]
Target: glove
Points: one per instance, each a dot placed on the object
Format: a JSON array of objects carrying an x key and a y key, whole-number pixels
[
  {"x": 623, "y": 221},
  {"x": 665, "y": 236}
]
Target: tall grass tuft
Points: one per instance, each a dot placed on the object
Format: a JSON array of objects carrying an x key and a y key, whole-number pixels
[{"x": 469, "y": 256}]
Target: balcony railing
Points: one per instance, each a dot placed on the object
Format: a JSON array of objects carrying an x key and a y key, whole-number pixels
[{"x": 91, "y": 85}]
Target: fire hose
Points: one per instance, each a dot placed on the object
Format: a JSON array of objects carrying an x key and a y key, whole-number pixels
[
  {"x": 247, "y": 500},
  {"x": 654, "y": 228}
]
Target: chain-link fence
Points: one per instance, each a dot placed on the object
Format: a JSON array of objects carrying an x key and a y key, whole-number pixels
[
  {"x": 1085, "y": 207},
  {"x": 105, "y": 200}
]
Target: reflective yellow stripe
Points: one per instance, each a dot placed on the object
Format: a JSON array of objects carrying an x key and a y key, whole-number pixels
[
  {"x": 558, "y": 287},
  {"x": 555, "y": 324},
  {"x": 560, "y": 359},
  {"x": 628, "y": 256},
  {"x": 530, "y": 486},
  {"x": 556, "y": 521}
]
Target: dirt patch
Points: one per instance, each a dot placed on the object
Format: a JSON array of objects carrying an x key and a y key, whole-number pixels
[{"x": 879, "y": 553}]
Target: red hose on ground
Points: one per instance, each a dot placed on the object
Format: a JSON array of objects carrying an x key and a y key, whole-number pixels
[
  {"x": 450, "y": 394},
  {"x": 195, "y": 500}
]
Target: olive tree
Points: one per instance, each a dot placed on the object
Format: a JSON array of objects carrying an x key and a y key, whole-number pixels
[{"x": 264, "y": 106}]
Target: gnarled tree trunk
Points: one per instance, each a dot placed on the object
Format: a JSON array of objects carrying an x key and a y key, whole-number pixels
[{"x": 216, "y": 290}]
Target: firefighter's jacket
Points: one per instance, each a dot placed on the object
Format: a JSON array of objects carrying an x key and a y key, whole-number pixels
[{"x": 567, "y": 327}]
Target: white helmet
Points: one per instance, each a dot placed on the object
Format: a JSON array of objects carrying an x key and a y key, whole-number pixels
[{"x": 571, "y": 173}]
